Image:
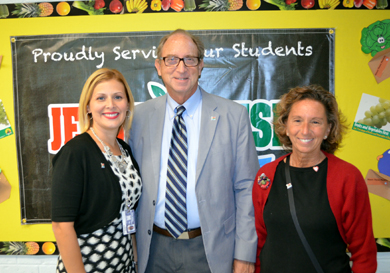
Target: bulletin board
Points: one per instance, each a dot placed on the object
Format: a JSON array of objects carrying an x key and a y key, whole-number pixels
[
  {"x": 353, "y": 77},
  {"x": 251, "y": 67}
]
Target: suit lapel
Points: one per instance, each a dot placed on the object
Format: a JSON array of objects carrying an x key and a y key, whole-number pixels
[
  {"x": 208, "y": 126},
  {"x": 156, "y": 124}
]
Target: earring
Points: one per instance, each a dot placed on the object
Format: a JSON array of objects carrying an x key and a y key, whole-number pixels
[
  {"x": 128, "y": 115},
  {"x": 325, "y": 137},
  {"x": 288, "y": 134},
  {"x": 86, "y": 115}
]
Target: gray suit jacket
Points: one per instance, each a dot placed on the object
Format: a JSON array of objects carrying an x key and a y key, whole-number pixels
[{"x": 226, "y": 168}]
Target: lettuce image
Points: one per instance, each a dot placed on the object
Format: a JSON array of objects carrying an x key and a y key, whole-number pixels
[{"x": 376, "y": 37}]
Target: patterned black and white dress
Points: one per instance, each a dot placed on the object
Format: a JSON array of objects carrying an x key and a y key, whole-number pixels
[{"x": 108, "y": 249}]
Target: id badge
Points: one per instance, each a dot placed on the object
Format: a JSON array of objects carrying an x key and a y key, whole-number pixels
[{"x": 128, "y": 221}]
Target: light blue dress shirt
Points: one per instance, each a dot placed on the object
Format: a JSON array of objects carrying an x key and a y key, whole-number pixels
[{"x": 192, "y": 118}]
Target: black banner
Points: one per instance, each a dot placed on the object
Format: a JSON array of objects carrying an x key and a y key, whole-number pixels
[{"x": 252, "y": 67}]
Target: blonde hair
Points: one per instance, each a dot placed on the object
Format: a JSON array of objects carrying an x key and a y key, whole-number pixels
[{"x": 97, "y": 77}]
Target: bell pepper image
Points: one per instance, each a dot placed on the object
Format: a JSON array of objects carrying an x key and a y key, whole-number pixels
[
  {"x": 189, "y": 5},
  {"x": 381, "y": 4},
  {"x": 348, "y": 3},
  {"x": 155, "y": 5},
  {"x": 4, "y": 12}
]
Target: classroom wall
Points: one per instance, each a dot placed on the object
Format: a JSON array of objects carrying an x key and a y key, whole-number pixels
[{"x": 352, "y": 78}]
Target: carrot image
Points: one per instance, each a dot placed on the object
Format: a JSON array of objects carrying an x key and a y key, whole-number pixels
[
  {"x": 177, "y": 5},
  {"x": 370, "y": 4}
]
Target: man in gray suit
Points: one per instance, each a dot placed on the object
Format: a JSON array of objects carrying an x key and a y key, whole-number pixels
[{"x": 220, "y": 164}]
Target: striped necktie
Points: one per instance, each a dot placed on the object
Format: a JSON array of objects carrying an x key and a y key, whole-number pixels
[{"x": 176, "y": 192}]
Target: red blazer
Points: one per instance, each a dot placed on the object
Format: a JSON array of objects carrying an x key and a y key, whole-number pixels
[{"x": 350, "y": 204}]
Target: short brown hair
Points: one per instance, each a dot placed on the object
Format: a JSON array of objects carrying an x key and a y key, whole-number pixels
[
  {"x": 199, "y": 44},
  {"x": 97, "y": 77},
  {"x": 334, "y": 116}
]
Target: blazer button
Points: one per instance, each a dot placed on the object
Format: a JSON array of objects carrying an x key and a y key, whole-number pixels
[
  {"x": 154, "y": 202},
  {"x": 149, "y": 232}
]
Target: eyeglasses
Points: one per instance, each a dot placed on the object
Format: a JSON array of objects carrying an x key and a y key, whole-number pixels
[{"x": 171, "y": 61}]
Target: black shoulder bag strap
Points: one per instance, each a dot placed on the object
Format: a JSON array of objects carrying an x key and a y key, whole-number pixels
[{"x": 295, "y": 219}]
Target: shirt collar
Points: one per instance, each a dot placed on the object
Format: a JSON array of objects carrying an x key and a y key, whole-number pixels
[{"x": 191, "y": 104}]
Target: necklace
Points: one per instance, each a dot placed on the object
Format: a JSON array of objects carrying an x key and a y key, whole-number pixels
[
  {"x": 121, "y": 165},
  {"x": 315, "y": 167}
]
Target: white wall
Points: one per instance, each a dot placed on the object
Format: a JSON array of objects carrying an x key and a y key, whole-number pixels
[
  {"x": 47, "y": 264},
  {"x": 27, "y": 264},
  {"x": 383, "y": 262}
]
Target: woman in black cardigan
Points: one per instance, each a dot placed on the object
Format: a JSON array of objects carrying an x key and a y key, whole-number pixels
[{"x": 96, "y": 182}]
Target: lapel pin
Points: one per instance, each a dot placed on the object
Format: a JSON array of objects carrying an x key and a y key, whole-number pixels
[
  {"x": 102, "y": 165},
  {"x": 213, "y": 118},
  {"x": 315, "y": 168},
  {"x": 288, "y": 185},
  {"x": 263, "y": 181}
]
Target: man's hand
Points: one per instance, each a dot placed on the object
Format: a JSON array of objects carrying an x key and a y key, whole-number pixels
[{"x": 243, "y": 267}]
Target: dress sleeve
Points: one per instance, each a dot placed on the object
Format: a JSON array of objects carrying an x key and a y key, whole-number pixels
[{"x": 67, "y": 185}]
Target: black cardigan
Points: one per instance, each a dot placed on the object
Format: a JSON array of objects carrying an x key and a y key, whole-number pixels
[{"x": 85, "y": 190}]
